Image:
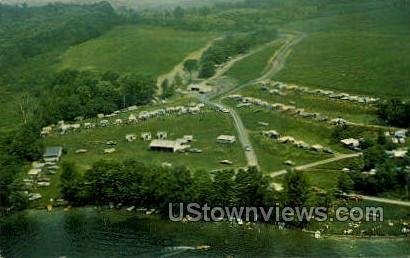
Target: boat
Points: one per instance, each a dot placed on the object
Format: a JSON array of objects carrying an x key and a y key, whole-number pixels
[{"x": 202, "y": 247}]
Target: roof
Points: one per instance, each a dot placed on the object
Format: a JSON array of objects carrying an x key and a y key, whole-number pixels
[
  {"x": 164, "y": 144},
  {"x": 351, "y": 141},
  {"x": 226, "y": 138},
  {"x": 53, "y": 151}
]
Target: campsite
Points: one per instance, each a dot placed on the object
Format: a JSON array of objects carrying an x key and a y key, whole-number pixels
[{"x": 132, "y": 107}]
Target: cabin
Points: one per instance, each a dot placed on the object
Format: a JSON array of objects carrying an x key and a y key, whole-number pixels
[
  {"x": 202, "y": 89},
  {"x": 130, "y": 137},
  {"x": 52, "y": 153},
  {"x": 146, "y": 136},
  {"x": 132, "y": 118},
  {"x": 351, "y": 142},
  {"x": 226, "y": 139},
  {"x": 168, "y": 145},
  {"x": 162, "y": 135}
]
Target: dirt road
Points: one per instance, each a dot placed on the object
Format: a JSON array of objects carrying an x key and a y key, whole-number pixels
[
  {"x": 337, "y": 157},
  {"x": 277, "y": 62}
]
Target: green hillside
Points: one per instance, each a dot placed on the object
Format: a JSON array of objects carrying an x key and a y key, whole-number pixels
[
  {"x": 132, "y": 49},
  {"x": 365, "y": 52},
  {"x": 253, "y": 66}
]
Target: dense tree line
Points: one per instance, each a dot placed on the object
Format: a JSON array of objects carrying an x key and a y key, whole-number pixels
[
  {"x": 29, "y": 31},
  {"x": 231, "y": 46},
  {"x": 134, "y": 183},
  {"x": 390, "y": 174},
  {"x": 16, "y": 148},
  {"x": 73, "y": 93},
  {"x": 240, "y": 16},
  {"x": 395, "y": 112}
]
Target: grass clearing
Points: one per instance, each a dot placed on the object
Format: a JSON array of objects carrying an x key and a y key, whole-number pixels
[
  {"x": 176, "y": 126},
  {"x": 352, "y": 112},
  {"x": 310, "y": 131},
  {"x": 324, "y": 179},
  {"x": 254, "y": 65},
  {"x": 364, "y": 52},
  {"x": 135, "y": 49},
  {"x": 271, "y": 154}
]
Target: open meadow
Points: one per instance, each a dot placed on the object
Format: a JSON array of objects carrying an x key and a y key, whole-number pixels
[
  {"x": 254, "y": 65},
  {"x": 360, "y": 48},
  {"x": 135, "y": 49}
]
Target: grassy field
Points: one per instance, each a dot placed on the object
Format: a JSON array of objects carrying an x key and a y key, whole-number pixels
[
  {"x": 312, "y": 103},
  {"x": 252, "y": 66},
  {"x": 271, "y": 154},
  {"x": 177, "y": 126},
  {"x": 354, "y": 48},
  {"x": 126, "y": 49},
  {"x": 198, "y": 126},
  {"x": 310, "y": 131}
]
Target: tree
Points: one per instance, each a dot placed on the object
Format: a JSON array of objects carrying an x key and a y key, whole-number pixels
[
  {"x": 190, "y": 65},
  {"x": 251, "y": 188},
  {"x": 296, "y": 193},
  {"x": 223, "y": 188},
  {"x": 168, "y": 90},
  {"x": 137, "y": 89},
  {"x": 296, "y": 189},
  {"x": 395, "y": 112},
  {"x": 373, "y": 157},
  {"x": 26, "y": 143},
  {"x": 345, "y": 183},
  {"x": 207, "y": 70},
  {"x": 26, "y": 106},
  {"x": 70, "y": 180}
]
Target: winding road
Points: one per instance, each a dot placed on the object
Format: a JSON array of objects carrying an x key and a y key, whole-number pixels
[{"x": 277, "y": 62}]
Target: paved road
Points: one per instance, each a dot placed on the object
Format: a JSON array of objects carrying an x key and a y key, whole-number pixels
[
  {"x": 277, "y": 63},
  {"x": 317, "y": 163},
  {"x": 381, "y": 200}
]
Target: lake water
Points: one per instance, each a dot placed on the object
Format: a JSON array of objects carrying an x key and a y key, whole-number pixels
[{"x": 88, "y": 233}]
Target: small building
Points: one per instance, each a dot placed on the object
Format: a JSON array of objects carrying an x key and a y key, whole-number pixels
[
  {"x": 52, "y": 153},
  {"x": 317, "y": 147},
  {"x": 146, "y": 136},
  {"x": 398, "y": 153},
  {"x": 118, "y": 121},
  {"x": 271, "y": 134},
  {"x": 400, "y": 134},
  {"x": 89, "y": 125},
  {"x": 351, "y": 142},
  {"x": 109, "y": 150},
  {"x": 202, "y": 89},
  {"x": 338, "y": 121},
  {"x": 104, "y": 123},
  {"x": 162, "y": 135},
  {"x": 167, "y": 145},
  {"x": 287, "y": 139},
  {"x": 130, "y": 137},
  {"x": 34, "y": 172},
  {"x": 188, "y": 138},
  {"x": 226, "y": 139},
  {"x": 132, "y": 118}
]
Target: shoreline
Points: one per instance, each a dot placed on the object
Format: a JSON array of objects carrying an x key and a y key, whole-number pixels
[{"x": 140, "y": 213}]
